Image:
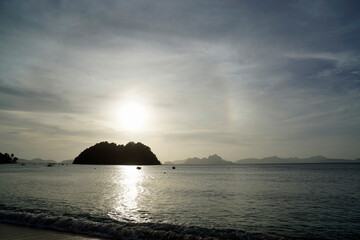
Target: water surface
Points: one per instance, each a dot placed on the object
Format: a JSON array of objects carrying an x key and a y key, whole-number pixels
[{"x": 315, "y": 201}]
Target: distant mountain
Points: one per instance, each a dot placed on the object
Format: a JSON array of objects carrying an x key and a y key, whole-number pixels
[
  {"x": 39, "y": 160},
  {"x": 68, "y": 161},
  {"x": 278, "y": 160},
  {"x": 212, "y": 159},
  {"x": 36, "y": 160},
  {"x": 21, "y": 160},
  {"x": 168, "y": 163}
]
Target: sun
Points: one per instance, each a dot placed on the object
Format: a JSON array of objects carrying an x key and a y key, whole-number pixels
[{"x": 133, "y": 116}]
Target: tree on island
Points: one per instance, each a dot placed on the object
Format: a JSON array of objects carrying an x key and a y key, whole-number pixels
[
  {"x": 6, "y": 158},
  {"x": 112, "y": 154}
]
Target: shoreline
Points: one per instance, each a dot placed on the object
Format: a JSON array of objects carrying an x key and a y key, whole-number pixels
[{"x": 17, "y": 232}]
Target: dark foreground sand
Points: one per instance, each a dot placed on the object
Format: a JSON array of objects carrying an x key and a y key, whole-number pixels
[{"x": 15, "y": 232}]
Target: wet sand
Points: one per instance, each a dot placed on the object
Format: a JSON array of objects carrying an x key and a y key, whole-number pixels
[{"x": 16, "y": 232}]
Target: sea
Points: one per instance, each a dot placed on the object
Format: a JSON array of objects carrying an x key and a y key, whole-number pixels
[{"x": 283, "y": 201}]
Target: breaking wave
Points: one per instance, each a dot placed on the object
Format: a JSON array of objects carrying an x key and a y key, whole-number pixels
[{"x": 108, "y": 228}]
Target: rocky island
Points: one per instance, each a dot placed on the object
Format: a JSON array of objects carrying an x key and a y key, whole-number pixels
[{"x": 112, "y": 154}]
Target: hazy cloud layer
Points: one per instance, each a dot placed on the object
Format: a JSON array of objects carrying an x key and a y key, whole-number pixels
[{"x": 242, "y": 78}]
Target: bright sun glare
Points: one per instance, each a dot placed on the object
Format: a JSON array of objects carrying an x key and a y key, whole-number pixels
[{"x": 133, "y": 116}]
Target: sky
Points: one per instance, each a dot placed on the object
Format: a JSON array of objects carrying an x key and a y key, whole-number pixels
[{"x": 236, "y": 78}]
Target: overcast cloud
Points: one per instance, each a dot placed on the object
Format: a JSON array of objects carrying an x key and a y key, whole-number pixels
[{"x": 236, "y": 78}]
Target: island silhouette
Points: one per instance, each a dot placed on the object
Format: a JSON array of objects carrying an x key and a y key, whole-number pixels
[
  {"x": 106, "y": 153},
  {"x": 7, "y": 158}
]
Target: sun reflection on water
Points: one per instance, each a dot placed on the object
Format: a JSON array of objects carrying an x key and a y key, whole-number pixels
[{"x": 129, "y": 187}]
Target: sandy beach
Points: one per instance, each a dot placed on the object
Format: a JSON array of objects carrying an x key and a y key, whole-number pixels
[{"x": 16, "y": 232}]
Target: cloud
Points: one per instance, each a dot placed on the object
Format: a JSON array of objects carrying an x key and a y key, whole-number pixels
[
  {"x": 227, "y": 72},
  {"x": 22, "y": 99}
]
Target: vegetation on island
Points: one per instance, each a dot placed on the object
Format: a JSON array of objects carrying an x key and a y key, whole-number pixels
[
  {"x": 7, "y": 158},
  {"x": 112, "y": 154}
]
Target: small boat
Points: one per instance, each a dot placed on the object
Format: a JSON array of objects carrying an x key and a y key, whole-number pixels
[
  {"x": 138, "y": 168},
  {"x": 50, "y": 164},
  {"x": 173, "y": 167}
]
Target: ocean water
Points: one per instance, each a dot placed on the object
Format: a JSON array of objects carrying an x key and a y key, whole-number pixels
[{"x": 300, "y": 201}]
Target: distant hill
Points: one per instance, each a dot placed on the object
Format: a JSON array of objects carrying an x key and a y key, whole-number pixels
[
  {"x": 36, "y": 160},
  {"x": 168, "y": 163},
  {"x": 212, "y": 159},
  {"x": 68, "y": 161},
  {"x": 278, "y": 160},
  {"x": 112, "y": 154}
]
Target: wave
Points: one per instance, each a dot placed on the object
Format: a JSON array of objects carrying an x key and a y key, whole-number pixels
[{"x": 122, "y": 230}]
